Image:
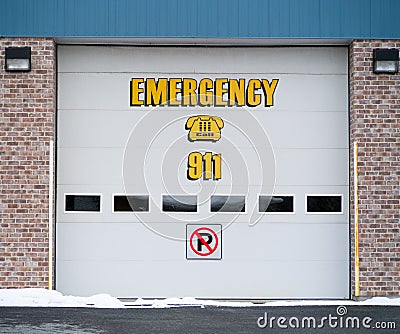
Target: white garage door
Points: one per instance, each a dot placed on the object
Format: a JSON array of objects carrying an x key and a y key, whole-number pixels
[{"x": 205, "y": 172}]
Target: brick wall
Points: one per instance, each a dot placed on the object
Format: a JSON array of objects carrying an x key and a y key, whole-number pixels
[
  {"x": 27, "y": 124},
  {"x": 375, "y": 125}
]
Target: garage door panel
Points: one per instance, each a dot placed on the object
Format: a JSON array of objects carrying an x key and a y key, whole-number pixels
[
  {"x": 252, "y": 214},
  {"x": 96, "y": 128},
  {"x": 312, "y": 93},
  {"x": 111, "y": 128},
  {"x": 280, "y": 242},
  {"x": 90, "y": 166},
  {"x": 136, "y": 242},
  {"x": 247, "y": 167},
  {"x": 110, "y": 91},
  {"x": 104, "y": 166},
  {"x": 87, "y": 91},
  {"x": 329, "y": 129},
  {"x": 311, "y": 167},
  {"x": 321, "y": 60},
  {"x": 120, "y": 242},
  {"x": 158, "y": 279}
]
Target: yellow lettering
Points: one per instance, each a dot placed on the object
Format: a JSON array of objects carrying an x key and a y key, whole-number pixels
[
  {"x": 236, "y": 92},
  {"x": 189, "y": 92},
  {"x": 174, "y": 90},
  {"x": 253, "y": 99},
  {"x": 205, "y": 95},
  {"x": 156, "y": 92},
  {"x": 269, "y": 90},
  {"x": 135, "y": 92},
  {"x": 219, "y": 92}
]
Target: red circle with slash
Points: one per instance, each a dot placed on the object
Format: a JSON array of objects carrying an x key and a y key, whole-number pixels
[{"x": 197, "y": 234}]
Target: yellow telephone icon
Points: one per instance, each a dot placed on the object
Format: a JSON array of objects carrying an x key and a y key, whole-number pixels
[{"x": 204, "y": 127}]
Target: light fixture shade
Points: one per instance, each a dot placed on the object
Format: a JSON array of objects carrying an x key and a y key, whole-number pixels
[
  {"x": 18, "y": 59},
  {"x": 386, "y": 61}
]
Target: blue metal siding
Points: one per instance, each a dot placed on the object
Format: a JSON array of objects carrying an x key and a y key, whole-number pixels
[{"x": 201, "y": 18}]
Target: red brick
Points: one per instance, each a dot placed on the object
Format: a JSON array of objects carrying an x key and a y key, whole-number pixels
[
  {"x": 374, "y": 124},
  {"x": 28, "y": 120}
]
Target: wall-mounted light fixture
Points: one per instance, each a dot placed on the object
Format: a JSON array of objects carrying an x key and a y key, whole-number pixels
[
  {"x": 386, "y": 61},
  {"x": 18, "y": 59}
]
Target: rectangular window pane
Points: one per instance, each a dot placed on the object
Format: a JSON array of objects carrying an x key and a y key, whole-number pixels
[
  {"x": 82, "y": 203},
  {"x": 131, "y": 203},
  {"x": 228, "y": 203},
  {"x": 275, "y": 204},
  {"x": 179, "y": 203},
  {"x": 324, "y": 203}
]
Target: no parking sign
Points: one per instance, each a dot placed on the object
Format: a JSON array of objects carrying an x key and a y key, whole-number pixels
[{"x": 203, "y": 242}]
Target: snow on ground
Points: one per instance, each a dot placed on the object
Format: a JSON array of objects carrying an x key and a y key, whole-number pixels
[
  {"x": 177, "y": 302},
  {"x": 52, "y": 298}
]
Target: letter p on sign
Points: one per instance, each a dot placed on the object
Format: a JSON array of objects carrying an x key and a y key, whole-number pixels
[{"x": 204, "y": 242}]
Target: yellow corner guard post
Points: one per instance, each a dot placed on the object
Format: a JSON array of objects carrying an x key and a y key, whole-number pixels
[
  {"x": 356, "y": 246},
  {"x": 51, "y": 187}
]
